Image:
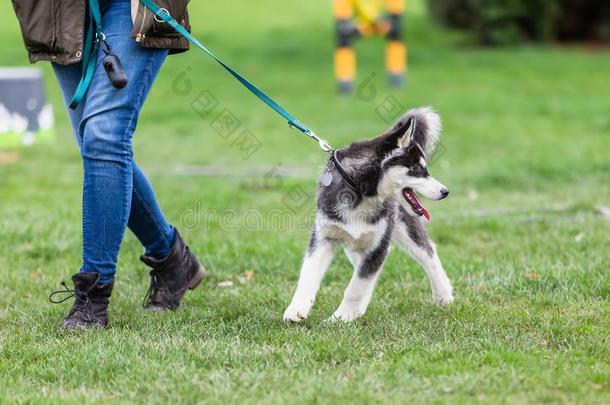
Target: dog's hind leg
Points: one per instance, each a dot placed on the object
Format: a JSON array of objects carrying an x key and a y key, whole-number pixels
[
  {"x": 411, "y": 237},
  {"x": 316, "y": 262},
  {"x": 358, "y": 293}
]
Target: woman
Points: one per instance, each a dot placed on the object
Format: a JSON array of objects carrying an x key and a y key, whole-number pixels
[{"x": 116, "y": 194}]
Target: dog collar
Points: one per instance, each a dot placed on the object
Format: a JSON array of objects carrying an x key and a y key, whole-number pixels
[{"x": 346, "y": 177}]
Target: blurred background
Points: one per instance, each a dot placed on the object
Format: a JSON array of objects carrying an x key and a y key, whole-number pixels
[
  {"x": 523, "y": 88},
  {"x": 519, "y": 84}
]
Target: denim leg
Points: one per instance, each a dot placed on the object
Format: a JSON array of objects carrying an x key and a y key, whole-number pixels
[
  {"x": 68, "y": 77},
  {"x": 106, "y": 123},
  {"x": 146, "y": 220}
]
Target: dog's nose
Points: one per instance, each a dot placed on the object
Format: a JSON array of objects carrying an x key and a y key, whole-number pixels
[{"x": 444, "y": 192}]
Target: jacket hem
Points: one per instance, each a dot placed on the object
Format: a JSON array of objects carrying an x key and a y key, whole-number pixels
[{"x": 53, "y": 57}]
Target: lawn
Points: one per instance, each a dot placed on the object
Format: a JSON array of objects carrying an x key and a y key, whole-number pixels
[{"x": 525, "y": 152}]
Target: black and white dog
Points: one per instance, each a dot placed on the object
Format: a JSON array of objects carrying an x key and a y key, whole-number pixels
[{"x": 378, "y": 208}]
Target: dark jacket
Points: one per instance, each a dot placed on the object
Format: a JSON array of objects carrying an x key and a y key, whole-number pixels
[{"x": 54, "y": 29}]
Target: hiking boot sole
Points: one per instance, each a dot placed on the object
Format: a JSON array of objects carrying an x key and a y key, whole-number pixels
[{"x": 197, "y": 278}]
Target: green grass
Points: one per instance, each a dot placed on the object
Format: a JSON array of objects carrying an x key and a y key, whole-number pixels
[{"x": 526, "y": 143}]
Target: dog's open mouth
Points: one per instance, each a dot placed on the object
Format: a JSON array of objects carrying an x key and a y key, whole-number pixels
[{"x": 414, "y": 202}]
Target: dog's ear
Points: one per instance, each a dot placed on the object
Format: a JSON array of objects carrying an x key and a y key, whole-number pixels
[
  {"x": 401, "y": 134},
  {"x": 406, "y": 139},
  {"x": 420, "y": 126},
  {"x": 428, "y": 129}
]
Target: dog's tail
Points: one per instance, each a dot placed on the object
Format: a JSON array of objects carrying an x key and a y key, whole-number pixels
[{"x": 427, "y": 127}]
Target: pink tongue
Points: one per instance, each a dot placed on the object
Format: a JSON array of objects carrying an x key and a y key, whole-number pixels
[
  {"x": 410, "y": 195},
  {"x": 426, "y": 213}
]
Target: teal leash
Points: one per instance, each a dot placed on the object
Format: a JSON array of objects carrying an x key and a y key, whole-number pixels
[
  {"x": 89, "y": 53},
  {"x": 163, "y": 14}
]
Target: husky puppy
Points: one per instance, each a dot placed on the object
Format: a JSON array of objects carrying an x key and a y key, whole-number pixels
[{"x": 380, "y": 207}]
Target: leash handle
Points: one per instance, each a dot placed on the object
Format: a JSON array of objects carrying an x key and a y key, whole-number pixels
[{"x": 292, "y": 121}]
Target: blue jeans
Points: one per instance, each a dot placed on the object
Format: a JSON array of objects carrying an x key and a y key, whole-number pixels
[{"x": 116, "y": 194}]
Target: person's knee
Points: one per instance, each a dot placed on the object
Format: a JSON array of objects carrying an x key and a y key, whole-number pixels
[{"x": 105, "y": 138}]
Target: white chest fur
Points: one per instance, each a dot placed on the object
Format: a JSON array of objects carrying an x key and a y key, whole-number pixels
[{"x": 357, "y": 233}]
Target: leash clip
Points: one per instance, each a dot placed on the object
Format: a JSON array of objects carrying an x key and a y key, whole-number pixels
[{"x": 325, "y": 146}]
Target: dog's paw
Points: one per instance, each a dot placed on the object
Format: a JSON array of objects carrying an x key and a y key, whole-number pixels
[
  {"x": 345, "y": 316},
  {"x": 295, "y": 313},
  {"x": 443, "y": 299}
]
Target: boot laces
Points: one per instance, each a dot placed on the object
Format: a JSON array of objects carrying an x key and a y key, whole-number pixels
[
  {"x": 81, "y": 297},
  {"x": 156, "y": 285}
]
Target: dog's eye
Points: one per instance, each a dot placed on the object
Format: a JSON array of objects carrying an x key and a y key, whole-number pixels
[{"x": 417, "y": 170}]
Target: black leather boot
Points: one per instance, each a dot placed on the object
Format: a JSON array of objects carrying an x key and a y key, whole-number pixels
[
  {"x": 172, "y": 276},
  {"x": 90, "y": 308}
]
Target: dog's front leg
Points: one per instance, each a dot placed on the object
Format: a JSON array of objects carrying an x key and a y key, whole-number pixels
[
  {"x": 316, "y": 262},
  {"x": 411, "y": 237},
  {"x": 358, "y": 294},
  {"x": 442, "y": 291}
]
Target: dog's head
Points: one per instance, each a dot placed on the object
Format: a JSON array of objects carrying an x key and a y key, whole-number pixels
[{"x": 411, "y": 140}]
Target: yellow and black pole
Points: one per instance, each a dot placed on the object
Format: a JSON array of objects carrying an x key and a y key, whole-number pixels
[
  {"x": 396, "y": 49},
  {"x": 362, "y": 18},
  {"x": 345, "y": 56}
]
